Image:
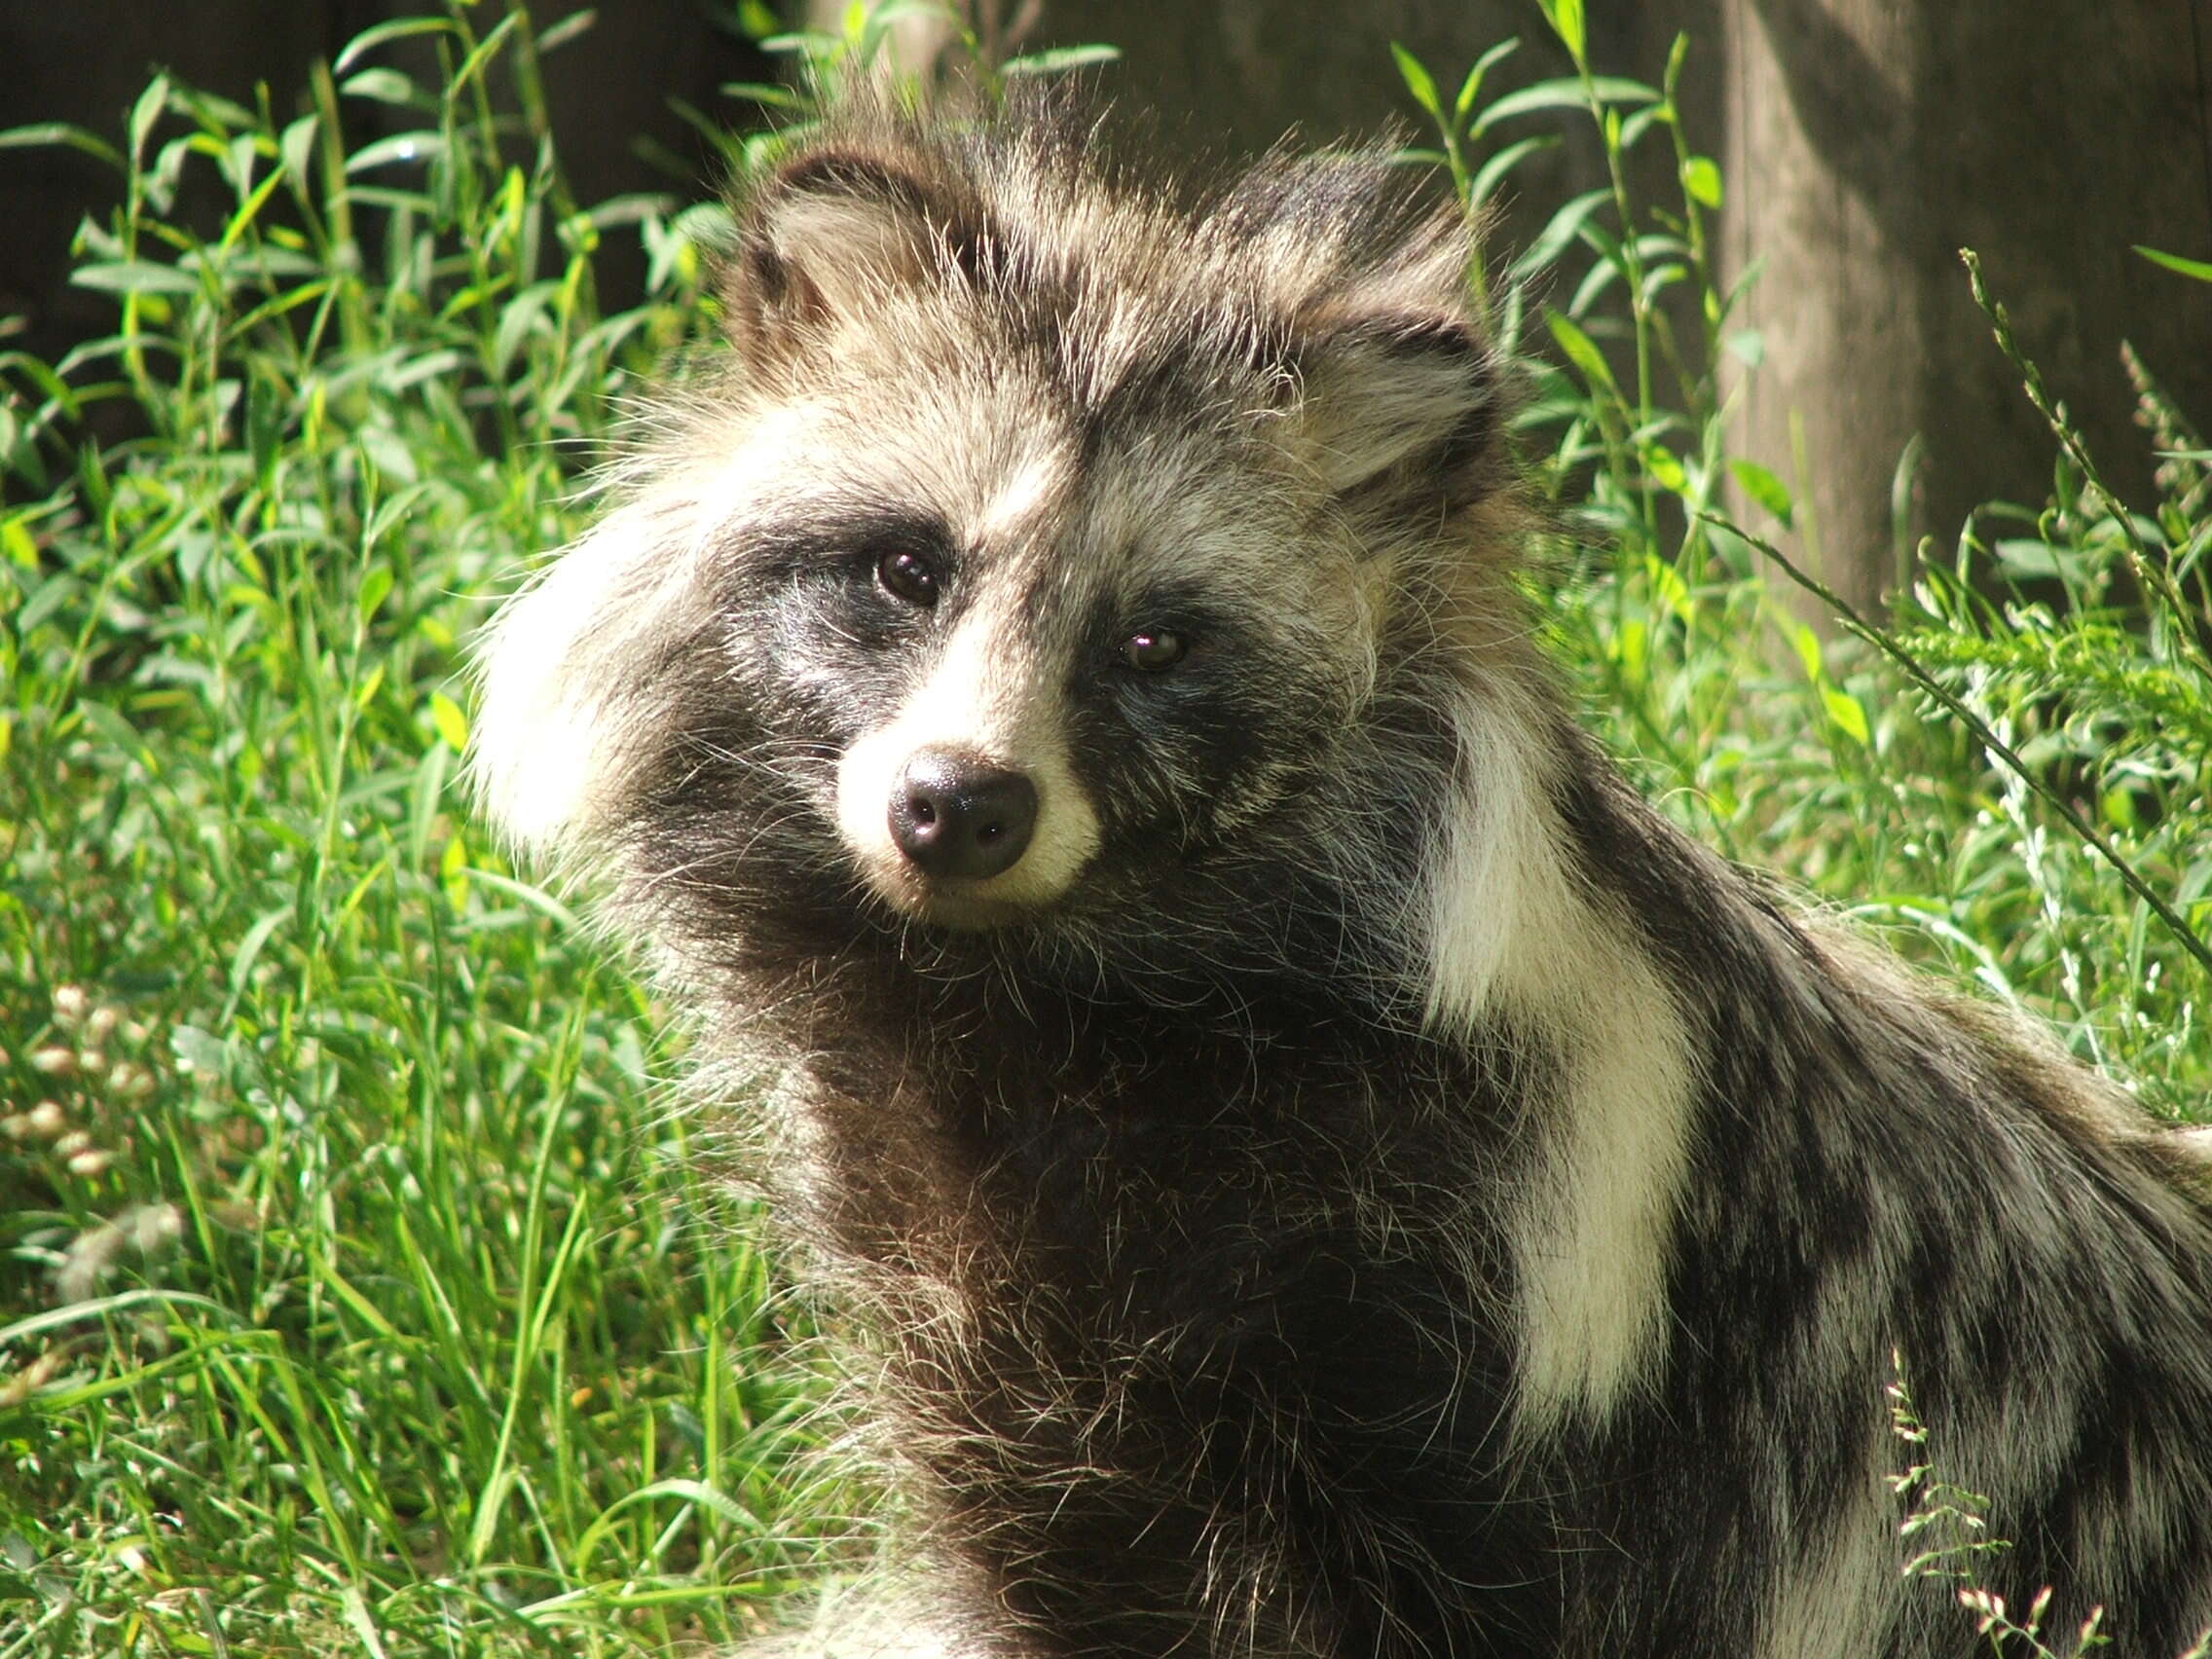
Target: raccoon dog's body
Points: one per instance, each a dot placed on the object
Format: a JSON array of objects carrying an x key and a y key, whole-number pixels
[{"x": 1333, "y": 1172}]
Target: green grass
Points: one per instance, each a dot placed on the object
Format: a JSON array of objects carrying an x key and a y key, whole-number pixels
[
  {"x": 360, "y": 1288},
  {"x": 363, "y": 1288}
]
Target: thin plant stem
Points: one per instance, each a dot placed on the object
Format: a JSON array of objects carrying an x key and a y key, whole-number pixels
[{"x": 1881, "y": 641}]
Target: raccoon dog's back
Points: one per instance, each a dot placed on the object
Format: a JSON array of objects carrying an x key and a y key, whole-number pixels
[{"x": 1330, "y": 1171}]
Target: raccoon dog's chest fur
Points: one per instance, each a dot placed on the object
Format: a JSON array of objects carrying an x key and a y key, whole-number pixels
[{"x": 1331, "y": 1171}]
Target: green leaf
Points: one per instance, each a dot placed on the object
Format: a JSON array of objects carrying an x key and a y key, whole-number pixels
[
  {"x": 376, "y": 586},
  {"x": 117, "y": 732},
  {"x": 555, "y": 35},
  {"x": 481, "y": 54},
  {"x": 1700, "y": 179},
  {"x": 1668, "y": 588},
  {"x": 1471, "y": 88},
  {"x": 1602, "y": 274},
  {"x": 402, "y": 147},
  {"x": 768, "y": 92},
  {"x": 199, "y": 1054},
  {"x": 1764, "y": 488},
  {"x": 1637, "y": 125},
  {"x": 146, "y": 111},
  {"x": 45, "y": 132},
  {"x": 134, "y": 277},
  {"x": 692, "y": 1491},
  {"x": 1665, "y": 471},
  {"x": 265, "y": 411},
  {"x": 1059, "y": 60},
  {"x": 1552, "y": 241},
  {"x": 1565, "y": 92},
  {"x": 1747, "y": 346},
  {"x": 2196, "y": 267},
  {"x": 1418, "y": 81},
  {"x": 452, "y": 869},
  {"x": 1849, "y": 717},
  {"x": 1581, "y": 350},
  {"x": 1807, "y": 645},
  {"x": 2028, "y": 558},
  {"x": 249, "y": 948},
  {"x": 389, "y": 454},
  {"x": 1670, "y": 78},
  {"x": 798, "y": 43},
  {"x": 369, "y": 39},
  {"x": 297, "y": 148},
  {"x": 47, "y": 599},
  {"x": 357, "y": 1616},
  {"x": 366, "y": 689},
  {"x": 426, "y": 794},
  {"x": 517, "y": 318},
  {"x": 1493, "y": 173},
  {"x": 1565, "y": 20},
  {"x": 380, "y": 85},
  {"x": 452, "y": 723},
  {"x": 1629, "y": 648}
]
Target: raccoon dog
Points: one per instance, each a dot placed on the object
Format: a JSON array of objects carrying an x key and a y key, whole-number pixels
[{"x": 1329, "y": 1171}]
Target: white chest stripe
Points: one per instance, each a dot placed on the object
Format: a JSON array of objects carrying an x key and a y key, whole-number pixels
[{"x": 1513, "y": 934}]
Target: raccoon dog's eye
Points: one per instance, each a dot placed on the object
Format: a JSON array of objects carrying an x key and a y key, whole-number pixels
[
  {"x": 1153, "y": 651},
  {"x": 908, "y": 576}
]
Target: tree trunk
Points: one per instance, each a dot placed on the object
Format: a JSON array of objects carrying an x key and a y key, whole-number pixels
[{"x": 1868, "y": 142}]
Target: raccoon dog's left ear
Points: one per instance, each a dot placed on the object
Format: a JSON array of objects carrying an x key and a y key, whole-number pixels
[
  {"x": 833, "y": 232},
  {"x": 1397, "y": 395}
]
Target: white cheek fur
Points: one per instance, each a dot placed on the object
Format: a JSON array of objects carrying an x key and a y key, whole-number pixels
[{"x": 562, "y": 666}]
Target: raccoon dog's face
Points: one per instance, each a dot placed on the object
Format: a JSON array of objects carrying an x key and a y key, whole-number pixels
[{"x": 1039, "y": 557}]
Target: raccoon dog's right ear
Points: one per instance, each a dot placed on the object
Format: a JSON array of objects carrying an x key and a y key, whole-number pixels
[
  {"x": 1397, "y": 391},
  {"x": 833, "y": 232}
]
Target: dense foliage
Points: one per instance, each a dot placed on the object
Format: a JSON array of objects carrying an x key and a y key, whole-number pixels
[{"x": 360, "y": 1285}]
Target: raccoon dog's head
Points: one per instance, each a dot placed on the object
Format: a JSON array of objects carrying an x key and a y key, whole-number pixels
[{"x": 1046, "y": 557}]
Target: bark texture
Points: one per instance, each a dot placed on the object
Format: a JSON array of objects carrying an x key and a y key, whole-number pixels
[{"x": 1867, "y": 142}]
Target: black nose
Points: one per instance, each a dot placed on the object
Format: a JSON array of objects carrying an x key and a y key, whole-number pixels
[{"x": 955, "y": 814}]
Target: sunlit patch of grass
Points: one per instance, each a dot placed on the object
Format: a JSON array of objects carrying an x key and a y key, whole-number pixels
[{"x": 360, "y": 1288}]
